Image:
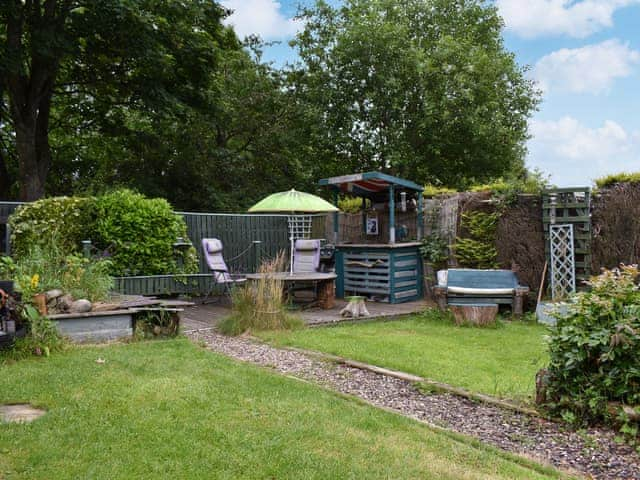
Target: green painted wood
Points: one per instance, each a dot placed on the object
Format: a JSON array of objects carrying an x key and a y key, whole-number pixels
[
  {"x": 197, "y": 284},
  {"x": 572, "y": 206},
  {"x": 398, "y": 279},
  {"x": 237, "y": 233}
]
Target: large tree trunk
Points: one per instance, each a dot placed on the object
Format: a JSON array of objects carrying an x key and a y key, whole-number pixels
[
  {"x": 31, "y": 184},
  {"x": 30, "y": 92},
  {"x": 5, "y": 180}
]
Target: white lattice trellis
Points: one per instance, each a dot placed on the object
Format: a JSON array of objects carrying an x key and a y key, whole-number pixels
[
  {"x": 299, "y": 227},
  {"x": 563, "y": 265}
]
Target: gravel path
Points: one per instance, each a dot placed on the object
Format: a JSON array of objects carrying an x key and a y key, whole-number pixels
[{"x": 593, "y": 452}]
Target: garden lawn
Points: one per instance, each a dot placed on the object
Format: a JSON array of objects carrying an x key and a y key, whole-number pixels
[
  {"x": 499, "y": 361},
  {"x": 169, "y": 409}
]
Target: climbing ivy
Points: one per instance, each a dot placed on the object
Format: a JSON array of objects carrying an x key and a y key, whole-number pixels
[{"x": 478, "y": 249}]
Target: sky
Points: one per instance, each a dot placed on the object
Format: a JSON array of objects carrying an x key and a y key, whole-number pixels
[{"x": 583, "y": 54}]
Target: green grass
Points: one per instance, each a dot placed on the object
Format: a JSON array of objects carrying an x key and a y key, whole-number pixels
[
  {"x": 498, "y": 361},
  {"x": 168, "y": 409}
]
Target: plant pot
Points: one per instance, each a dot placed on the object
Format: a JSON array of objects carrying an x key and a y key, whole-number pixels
[{"x": 40, "y": 302}]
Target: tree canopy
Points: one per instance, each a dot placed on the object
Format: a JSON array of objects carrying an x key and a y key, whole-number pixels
[
  {"x": 423, "y": 89},
  {"x": 162, "y": 97}
]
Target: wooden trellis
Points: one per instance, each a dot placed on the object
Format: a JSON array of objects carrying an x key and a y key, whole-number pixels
[
  {"x": 570, "y": 206},
  {"x": 563, "y": 269}
]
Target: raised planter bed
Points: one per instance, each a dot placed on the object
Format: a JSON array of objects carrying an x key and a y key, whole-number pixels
[{"x": 95, "y": 326}]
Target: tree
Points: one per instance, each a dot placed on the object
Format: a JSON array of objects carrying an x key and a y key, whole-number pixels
[
  {"x": 423, "y": 89},
  {"x": 223, "y": 154},
  {"x": 131, "y": 55}
]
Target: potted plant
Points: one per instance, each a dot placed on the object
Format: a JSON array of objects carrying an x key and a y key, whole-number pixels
[{"x": 435, "y": 252}]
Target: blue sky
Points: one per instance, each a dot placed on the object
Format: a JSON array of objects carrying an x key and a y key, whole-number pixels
[{"x": 584, "y": 54}]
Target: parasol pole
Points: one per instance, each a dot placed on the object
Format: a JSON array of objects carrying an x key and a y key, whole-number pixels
[
  {"x": 291, "y": 219},
  {"x": 291, "y": 249}
]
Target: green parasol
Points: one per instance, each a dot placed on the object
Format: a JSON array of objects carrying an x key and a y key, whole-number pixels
[
  {"x": 299, "y": 206},
  {"x": 292, "y": 201}
]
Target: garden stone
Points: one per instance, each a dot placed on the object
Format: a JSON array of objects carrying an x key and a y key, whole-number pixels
[
  {"x": 53, "y": 294},
  {"x": 19, "y": 413},
  {"x": 80, "y": 306},
  {"x": 64, "y": 303}
]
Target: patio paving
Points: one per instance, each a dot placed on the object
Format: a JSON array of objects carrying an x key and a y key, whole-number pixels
[{"x": 201, "y": 317}]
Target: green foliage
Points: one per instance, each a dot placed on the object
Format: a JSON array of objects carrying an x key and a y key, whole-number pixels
[
  {"x": 47, "y": 266},
  {"x": 352, "y": 204},
  {"x": 431, "y": 191},
  {"x": 623, "y": 177},
  {"x": 139, "y": 234},
  {"x": 595, "y": 349},
  {"x": 42, "y": 336},
  {"x": 156, "y": 324},
  {"x": 62, "y": 218},
  {"x": 101, "y": 69},
  {"x": 478, "y": 249},
  {"x": 447, "y": 103},
  {"x": 435, "y": 249},
  {"x": 532, "y": 182}
]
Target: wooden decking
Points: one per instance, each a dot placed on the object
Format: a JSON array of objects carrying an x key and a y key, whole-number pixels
[{"x": 207, "y": 316}]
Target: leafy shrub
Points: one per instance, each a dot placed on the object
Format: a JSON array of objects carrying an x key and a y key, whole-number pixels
[
  {"x": 532, "y": 182},
  {"x": 47, "y": 266},
  {"x": 623, "y": 177},
  {"x": 63, "y": 218},
  {"x": 595, "y": 349},
  {"x": 156, "y": 324},
  {"x": 42, "y": 336},
  {"x": 352, "y": 204},
  {"x": 139, "y": 234},
  {"x": 434, "y": 249},
  {"x": 478, "y": 249},
  {"x": 436, "y": 190}
]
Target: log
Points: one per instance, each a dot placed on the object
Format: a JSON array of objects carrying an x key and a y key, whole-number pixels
[
  {"x": 355, "y": 308},
  {"x": 475, "y": 314},
  {"x": 326, "y": 294}
]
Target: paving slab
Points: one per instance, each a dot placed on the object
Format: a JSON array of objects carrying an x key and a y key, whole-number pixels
[
  {"x": 20, "y": 413},
  {"x": 207, "y": 316}
]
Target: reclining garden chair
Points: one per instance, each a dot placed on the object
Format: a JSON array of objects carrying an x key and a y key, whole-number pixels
[
  {"x": 212, "y": 248},
  {"x": 306, "y": 259},
  {"x": 306, "y": 256}
]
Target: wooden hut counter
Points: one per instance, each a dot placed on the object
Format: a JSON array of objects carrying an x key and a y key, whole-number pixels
[{"x": 390, "y": 271}]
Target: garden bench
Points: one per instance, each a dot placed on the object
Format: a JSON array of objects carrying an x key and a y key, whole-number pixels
[{"x": 464, "y": 286}]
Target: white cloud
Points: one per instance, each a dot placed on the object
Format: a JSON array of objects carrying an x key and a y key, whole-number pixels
[
  {"x": 533, "y": 18},
  {"x": 588, "y": 69},
  {"x": 574, "y": 153},
  {"x": 260, "y": 17}
]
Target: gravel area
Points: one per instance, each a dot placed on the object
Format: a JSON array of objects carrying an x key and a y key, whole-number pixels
[{"x": 592, "y": 452}]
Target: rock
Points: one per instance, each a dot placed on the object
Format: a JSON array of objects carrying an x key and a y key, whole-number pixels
[
  {"x": 53, "y": 294},
  {"x": 64, "y": 303},
  {"x": 80, "y": 306},
  {"x": 632, "y": 413}
]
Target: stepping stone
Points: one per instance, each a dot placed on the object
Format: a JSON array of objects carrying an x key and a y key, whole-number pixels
[{"x": 20, "y": 413}]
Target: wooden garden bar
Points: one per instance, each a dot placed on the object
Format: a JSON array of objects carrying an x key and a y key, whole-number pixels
[{"x": 389, "y": 272}]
